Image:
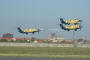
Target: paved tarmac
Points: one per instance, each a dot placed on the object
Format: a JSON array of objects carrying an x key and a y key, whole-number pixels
[{"x": 27, "y": 58}]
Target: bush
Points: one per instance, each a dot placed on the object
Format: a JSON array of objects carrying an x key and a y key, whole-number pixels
[
  {"x": 63, "y": 41},
  {"x": 21, "y": 41},
  {"x": 3, "y": 40}
]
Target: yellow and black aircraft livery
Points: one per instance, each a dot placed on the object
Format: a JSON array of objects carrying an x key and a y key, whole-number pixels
[
  {"x": 73, "y": 21},
  {"x": 72, "y": 27},
  {"x": 26, "y": 31}
]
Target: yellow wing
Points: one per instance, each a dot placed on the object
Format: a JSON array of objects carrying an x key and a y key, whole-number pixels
[
  {"x": 72, "y": 27},
  {"x": 72, "y": 21},
  {"x": 30, "y": 30}
]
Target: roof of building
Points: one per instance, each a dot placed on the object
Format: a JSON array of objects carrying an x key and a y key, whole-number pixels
[{"x": 9, "y": 38}]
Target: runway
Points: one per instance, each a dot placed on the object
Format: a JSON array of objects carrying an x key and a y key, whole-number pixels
[{"x": 28, "y": 58}]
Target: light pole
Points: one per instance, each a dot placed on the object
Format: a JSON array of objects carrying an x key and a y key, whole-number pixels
[{"x": 74, "y": 40}]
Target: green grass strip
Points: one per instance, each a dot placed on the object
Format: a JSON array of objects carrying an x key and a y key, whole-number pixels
[{"x": 44, "y": 55}]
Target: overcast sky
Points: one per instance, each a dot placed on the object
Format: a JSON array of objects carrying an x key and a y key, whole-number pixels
[{"x": 44, "y": 14}]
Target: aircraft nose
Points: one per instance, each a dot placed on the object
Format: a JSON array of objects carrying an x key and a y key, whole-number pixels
[
  {"x": 40, "y": 29},
  {"x": 80, "y": 20}
]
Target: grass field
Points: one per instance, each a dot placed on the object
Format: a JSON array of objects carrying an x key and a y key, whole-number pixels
[{"x": 45, "y": 52}]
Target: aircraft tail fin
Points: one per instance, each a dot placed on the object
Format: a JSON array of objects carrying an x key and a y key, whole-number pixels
[
  {"x": 62, "y": 21},
  {"x": 19, "y": 30},
  {"x": 61, "y": 25}
]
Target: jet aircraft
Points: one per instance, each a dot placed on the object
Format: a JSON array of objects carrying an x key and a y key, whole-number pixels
[
  {"x": 26, "y": 31},
  {"x": 72, "y": 27},
  {"x": 73, "y": 21}
]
